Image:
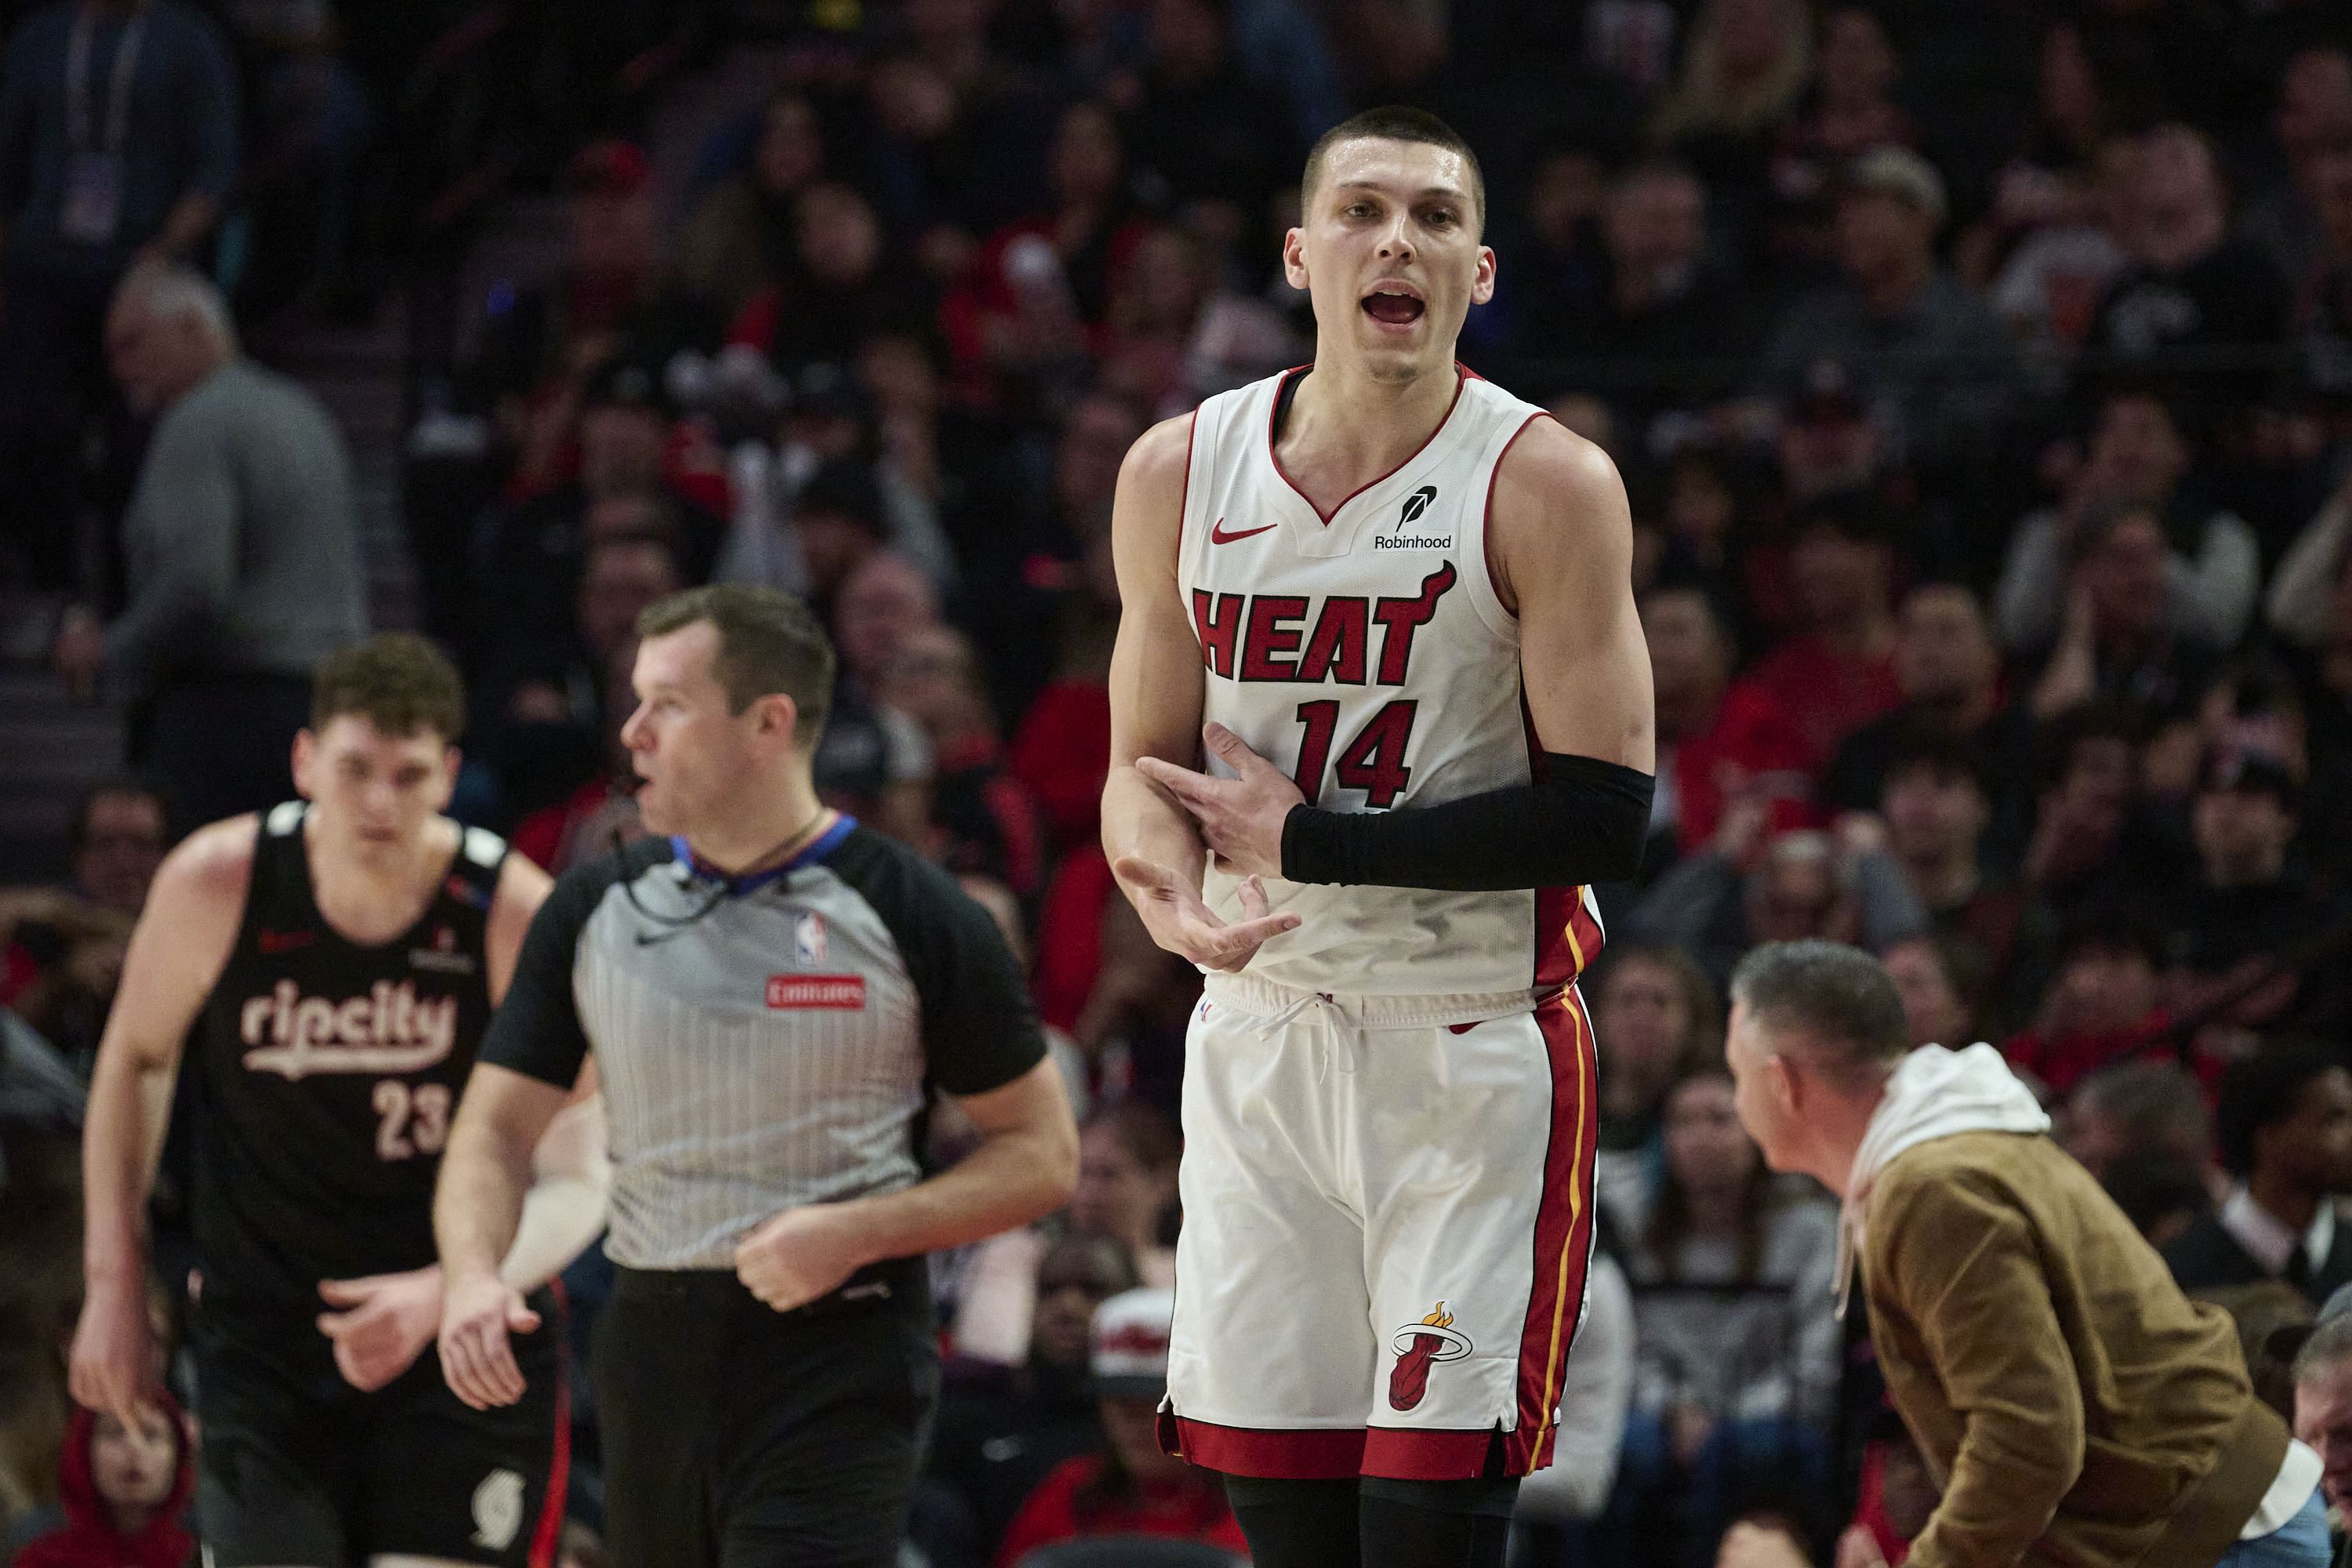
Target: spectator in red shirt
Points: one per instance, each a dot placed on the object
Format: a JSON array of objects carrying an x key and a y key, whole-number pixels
[
  {"x": 1021, "y": 310},
  {"x": 2100, "y": 1008},
  {"x": 124, "y": 1489},
  {"x": 1062, "y": 749},
  {"x": 1836, "y": 672},
  {"x": 587, "y": 822},
  {"x": 1718, "y": 738},
  {"x": 1132, "y": 1487},
  {"x": 1948, "y": 667},
  {"x": 844, "y": 283}
]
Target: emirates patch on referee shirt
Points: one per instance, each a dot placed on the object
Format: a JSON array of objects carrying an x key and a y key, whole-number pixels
[{"x": 834, "y": 993}]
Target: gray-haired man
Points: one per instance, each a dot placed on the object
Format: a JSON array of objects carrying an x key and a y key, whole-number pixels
[{"x": 244, "y": 553}]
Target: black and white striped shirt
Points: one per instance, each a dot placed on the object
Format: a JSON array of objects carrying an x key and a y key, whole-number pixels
[{"x": 766, "y": 1041}]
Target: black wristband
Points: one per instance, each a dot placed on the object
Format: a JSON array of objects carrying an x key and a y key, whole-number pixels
[{"x": 1583, "y": 820}]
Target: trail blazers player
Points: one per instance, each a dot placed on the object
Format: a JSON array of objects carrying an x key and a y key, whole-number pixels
[
  {"x": 1401, "y": 600},
  {"x": 332, "y": 966}
]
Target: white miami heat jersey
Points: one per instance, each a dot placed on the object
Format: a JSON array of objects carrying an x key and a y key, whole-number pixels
[{"x": 1367, "y": 655}]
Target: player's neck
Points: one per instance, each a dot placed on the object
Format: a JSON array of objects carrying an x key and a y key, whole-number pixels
[
  {"x": 763, "y": 829},
  {"x": 374, "y": 899},
  {"x": 1346, "y": 429},
  {"x": 400, "y": 867}
]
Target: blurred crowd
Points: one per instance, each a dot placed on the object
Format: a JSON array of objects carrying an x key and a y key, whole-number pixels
[{"x": 1982, "y": 378}]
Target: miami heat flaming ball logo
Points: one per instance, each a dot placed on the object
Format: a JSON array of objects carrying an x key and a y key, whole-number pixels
[{"x": 1420, "y": 1346}]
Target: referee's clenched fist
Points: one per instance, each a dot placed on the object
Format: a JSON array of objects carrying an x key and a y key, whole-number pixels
[
  {"x": 768, "y": 989},
  {"x": 799, "y": 1256}
]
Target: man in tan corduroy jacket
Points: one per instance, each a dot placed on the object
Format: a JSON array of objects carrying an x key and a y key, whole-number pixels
[{"x": 2078, "y": 1409}]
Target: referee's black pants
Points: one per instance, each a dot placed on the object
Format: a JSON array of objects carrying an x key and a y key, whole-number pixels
[{"x": 737, "y": 1436}]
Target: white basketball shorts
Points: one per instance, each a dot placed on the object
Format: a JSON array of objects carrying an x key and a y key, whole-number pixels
[{"x": 1386, "y": 1229}]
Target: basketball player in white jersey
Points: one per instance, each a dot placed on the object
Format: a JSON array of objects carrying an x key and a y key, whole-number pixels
[{"x": 1401, "y": 600}]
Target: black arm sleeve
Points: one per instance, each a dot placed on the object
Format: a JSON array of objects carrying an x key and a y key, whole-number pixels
[
  {"x": 980, "y": 1031},
  {"x": 536, "y": 1030},
  {"x": 1583, "y": 820}
]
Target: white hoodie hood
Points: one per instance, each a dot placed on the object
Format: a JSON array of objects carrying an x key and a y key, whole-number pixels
[{"x": 1935, "y": 1093}]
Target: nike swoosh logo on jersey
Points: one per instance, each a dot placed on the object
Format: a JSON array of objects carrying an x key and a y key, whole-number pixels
[{"x": 1217, "y": 534}]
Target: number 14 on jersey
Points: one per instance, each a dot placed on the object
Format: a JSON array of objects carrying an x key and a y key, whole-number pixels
[{"x": 1372, "y": 762}]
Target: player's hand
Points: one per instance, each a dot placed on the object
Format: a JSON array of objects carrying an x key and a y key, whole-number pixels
[
  {"x": 1240, "y": 818},
  {"x": 1178, "y": 922},
  {"x": 800, "y": 1255},
  {"x": 478, "y": 1311},
  {"x": 113, "y": 1366},
  {"x": 387, "y": 1321}
]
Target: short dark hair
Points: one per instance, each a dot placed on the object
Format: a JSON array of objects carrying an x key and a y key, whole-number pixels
[
  {"x": 768, "y": 643},
  {"x": 2263, "y": 1090},
  {"x": 1840, "y": 995},
  {"x": 2062, "y": 739},
  {"x": 1106, "y": 1259},
  {"x": 397, "y": 681},
  {"x": 1393, "y": 122},
  {"x": 2108, "y": 924},
  {"x": 2158, "y": 1105},
  {"x": 1949, "y": 757}
]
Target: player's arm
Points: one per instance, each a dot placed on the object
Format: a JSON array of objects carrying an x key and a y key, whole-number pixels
[
  {"x": 1155, "y": 712},
  {"x": 1561, "y": 552},
  {"x": 1560, "y": 547},
  {"x": 177, "y": 953},
  {"x": 383, "y": 1322},
  {"x": 564, "y": 1211},
  {"x": 533, "y": 1063}
]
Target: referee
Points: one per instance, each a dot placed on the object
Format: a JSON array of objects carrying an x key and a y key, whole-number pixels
[{"x": 769, "y": 990}]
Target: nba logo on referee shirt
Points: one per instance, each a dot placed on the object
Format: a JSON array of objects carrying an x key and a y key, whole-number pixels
[{"x": 808, "y": 938}]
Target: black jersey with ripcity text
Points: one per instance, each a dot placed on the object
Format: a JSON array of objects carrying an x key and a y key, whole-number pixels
[{"x": 326, "y": 1076}]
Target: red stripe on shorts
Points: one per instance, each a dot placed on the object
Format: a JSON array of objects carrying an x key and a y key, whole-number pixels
[
  {"x": 548, "y": 1537},
  {"x": 1568, "y": 939},
  {"x": 1407, "y": 1454},
  {"x": 1563, "y": 1242},
  {"x": 1313, "y": 1454}
]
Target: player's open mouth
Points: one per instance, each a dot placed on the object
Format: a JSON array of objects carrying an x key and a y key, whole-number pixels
[{"x": 1392, "y": 305}]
